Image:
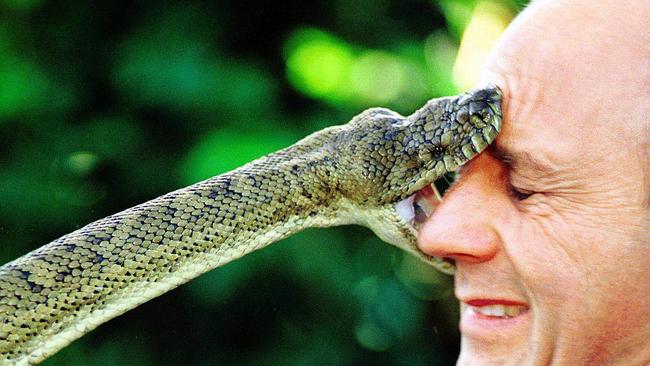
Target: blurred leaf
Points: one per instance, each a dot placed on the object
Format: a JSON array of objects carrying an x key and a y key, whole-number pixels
[
  {"x": 165, "y": 63},
  {"x": 81, "y": 162},
  {"x": 324, "y": 67},
  {"x": 160, "y": 71},
  {"x": 390, "y": 313},
  {"x": 25, "y": 192},
  {"x": 440, "y": 53},
  {"x": 318, "y": 64},
  {"x": 22, "y": 87},
  {"x": 22, "y": 4},
  {"x": 458, "y": 14},
  {"x": 109, "y": 137},
  {"x": 378, "y": 77},
  {"x": 228, "y": 148}
]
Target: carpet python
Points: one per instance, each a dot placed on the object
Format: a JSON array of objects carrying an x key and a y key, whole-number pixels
[{"x": 364, "y": 172}]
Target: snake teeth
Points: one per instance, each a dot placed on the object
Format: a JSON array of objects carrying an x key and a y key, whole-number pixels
[
  {"x": 405, "y": 208},
  {"x": 416, "y": 208}
]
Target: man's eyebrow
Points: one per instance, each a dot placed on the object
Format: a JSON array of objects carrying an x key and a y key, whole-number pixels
[{"x": 519, "y": 159}]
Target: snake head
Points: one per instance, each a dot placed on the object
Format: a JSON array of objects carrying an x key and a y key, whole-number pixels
[
  {"x": 389, "y": 158},
  {"x": 440, "y": 137}
]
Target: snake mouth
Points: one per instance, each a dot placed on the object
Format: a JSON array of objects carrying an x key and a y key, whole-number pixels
[{"x": 416, "y": 208}]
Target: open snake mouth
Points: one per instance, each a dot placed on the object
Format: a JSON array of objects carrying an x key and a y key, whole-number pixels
[{"x": 416, "y": 208}]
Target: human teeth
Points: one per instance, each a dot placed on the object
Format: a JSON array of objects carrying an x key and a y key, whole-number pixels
[
  {"x": 498, "y": 311},
  {"x": 514, "y": 310}
]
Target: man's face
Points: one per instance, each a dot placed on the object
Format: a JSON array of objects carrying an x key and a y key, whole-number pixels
[
  {"x": 544, "y": 275},
  {"x": 549, "y": 229}
]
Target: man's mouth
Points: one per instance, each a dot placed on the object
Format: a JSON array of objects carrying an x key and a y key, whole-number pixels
[
  {"x": 485, "y": 319},
  {"x": 499, "y": 309}
]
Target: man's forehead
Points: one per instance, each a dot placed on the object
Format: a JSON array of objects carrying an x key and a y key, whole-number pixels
[
  {"x": 526, "y": 145},
  {"x": 530, "y": 160}
]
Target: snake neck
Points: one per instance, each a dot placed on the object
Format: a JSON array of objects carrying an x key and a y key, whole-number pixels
[{"x": 71, "y": 285}]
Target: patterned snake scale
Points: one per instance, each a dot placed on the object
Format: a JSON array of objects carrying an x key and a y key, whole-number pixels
[{"x": 349, "y": 174}]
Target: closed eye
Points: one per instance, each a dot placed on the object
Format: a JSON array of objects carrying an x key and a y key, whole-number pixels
[{"x": 519, "y": 194}]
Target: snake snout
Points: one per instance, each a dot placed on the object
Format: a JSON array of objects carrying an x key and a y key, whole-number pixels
[{"x": 483, "y": 106}]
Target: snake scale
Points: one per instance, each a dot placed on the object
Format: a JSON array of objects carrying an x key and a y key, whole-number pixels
[{"x": 354, "y": 173}]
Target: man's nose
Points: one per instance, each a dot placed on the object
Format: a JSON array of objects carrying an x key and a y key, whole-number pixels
[{"x": 464, "y": 226}]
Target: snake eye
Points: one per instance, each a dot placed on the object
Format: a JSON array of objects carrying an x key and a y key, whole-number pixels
[
  {"x": 436, "y": 152},
  {"x": 433, "y": 153}
]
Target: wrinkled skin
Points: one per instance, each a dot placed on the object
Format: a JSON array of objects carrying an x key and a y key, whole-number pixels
[{"x": 556, "y": 215}]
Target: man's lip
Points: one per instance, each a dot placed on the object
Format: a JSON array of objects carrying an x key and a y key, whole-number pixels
[
  {"x": 481, "y": 322},
  {"x": 487, "y": 302}
]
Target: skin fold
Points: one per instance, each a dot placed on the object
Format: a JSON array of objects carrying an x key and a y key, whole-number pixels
[{"x": 555, "y": 216}]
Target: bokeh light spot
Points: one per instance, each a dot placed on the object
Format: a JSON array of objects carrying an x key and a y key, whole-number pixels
[
  {"x": 82, "y": 162},
  {"x": 372, "y": 337},
  {"x": 227, "y": 149},
  {"x": 22, "y": 87},
  {"x": 488, "y": 22},
  {"x": 378, "y": 77},
  {"x": 318, "y": 64}
]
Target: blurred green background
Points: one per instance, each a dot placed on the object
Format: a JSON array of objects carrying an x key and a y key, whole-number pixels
[{"x": 106, "y": 104}]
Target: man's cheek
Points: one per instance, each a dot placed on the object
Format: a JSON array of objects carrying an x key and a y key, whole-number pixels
[{"x": 546, "y": 252}]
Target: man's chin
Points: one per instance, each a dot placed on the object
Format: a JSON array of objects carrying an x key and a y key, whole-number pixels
[
  {"x": 488, "y": 339},
  {"x": 475, "y": 354}
]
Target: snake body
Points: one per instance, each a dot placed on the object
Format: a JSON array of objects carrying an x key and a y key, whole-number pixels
[{"x": 349, "y": 174}]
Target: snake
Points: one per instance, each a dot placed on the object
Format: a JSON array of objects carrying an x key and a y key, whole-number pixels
[{"x": 363, "y": 172}]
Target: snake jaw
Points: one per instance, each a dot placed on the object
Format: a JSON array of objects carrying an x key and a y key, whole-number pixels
[
  {"x": 398, "y": 224},
  {"x": 416, "y": 208},
  {"x": 465, "y": 126},
  {"x": 443, "y": 135}
]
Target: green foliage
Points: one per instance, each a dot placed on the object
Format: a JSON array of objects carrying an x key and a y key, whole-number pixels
[
  {"x": 227, "y": 148},
  {"x": 104, "y": 105}
]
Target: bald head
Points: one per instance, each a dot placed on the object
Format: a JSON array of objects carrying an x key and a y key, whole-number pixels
[
  {"x": 562, "y": 247},
  {"x": 586, "y": 66}
]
